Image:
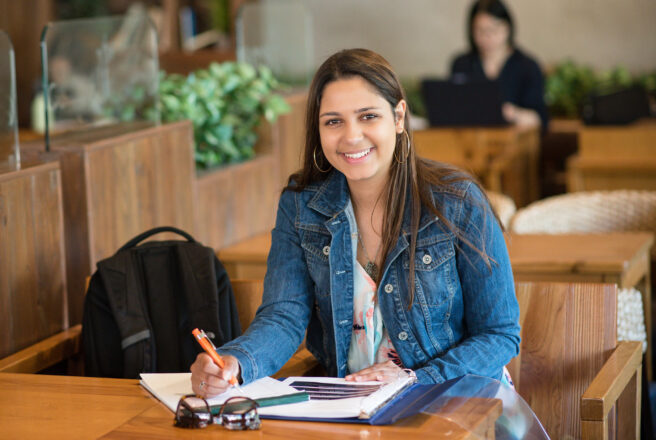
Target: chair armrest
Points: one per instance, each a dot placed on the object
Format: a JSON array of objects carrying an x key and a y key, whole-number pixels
[
  {"x": 611, "y": 380},
  {"x": 44, "y": 354}
]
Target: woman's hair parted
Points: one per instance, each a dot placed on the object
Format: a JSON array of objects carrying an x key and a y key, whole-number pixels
[
  {"x": 410, "y": 179},
  {"x": 495, "y": 8}
]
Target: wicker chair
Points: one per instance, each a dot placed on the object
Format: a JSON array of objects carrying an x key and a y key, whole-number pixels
[
  {"x": 503, "y": 205},
  {"x": 597, "y": 212}
]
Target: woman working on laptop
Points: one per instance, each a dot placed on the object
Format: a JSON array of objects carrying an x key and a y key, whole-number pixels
[
  {"x": 387, "y": 260},
  {"x": 494, "y": 56}
]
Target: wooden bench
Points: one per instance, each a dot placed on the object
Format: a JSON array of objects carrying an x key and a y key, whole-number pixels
[
  {"x": 67, "y": 344},
  {"x": 57, "y": 348}
]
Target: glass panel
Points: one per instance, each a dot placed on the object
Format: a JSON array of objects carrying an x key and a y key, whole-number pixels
[
  {"x": 9, "y": 152},
  {"x": 100, "y": 71},
  {"x": 277, "y": 34},
  {"x": 462, "y": 398}
]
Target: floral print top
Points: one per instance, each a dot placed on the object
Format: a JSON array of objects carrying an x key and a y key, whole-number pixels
[{"x": 370, "y": 343}]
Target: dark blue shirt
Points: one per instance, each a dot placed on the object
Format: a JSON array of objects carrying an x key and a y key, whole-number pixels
[{"x": 521, "y": 80}]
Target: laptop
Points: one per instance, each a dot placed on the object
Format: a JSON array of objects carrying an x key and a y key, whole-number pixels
[{"x": 462, "y": 104}]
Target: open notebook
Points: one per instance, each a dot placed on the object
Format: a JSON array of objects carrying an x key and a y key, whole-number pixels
[{"x": 331, "y": 399}]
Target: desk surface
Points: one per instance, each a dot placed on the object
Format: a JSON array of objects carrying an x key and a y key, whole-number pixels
[
  {"x": 577, "y": 253},
  {"x": 68, "y": 407},
  {"x": 540, "y": 252}
]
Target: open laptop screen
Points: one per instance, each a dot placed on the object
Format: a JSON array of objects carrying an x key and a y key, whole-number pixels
[{"x": 462, "y": 104}]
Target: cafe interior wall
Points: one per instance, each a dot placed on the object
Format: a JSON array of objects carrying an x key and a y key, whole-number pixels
[{"x": 420, "y": 37}]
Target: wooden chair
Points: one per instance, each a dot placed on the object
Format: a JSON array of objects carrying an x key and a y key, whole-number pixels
[
  {"x": 579, "y": 381},
  {"x": 598, "y": 212},
  {"x": 471, "y": 151}
]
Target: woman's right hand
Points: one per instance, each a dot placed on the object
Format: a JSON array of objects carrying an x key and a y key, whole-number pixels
[{"x": 208, "y": 380}]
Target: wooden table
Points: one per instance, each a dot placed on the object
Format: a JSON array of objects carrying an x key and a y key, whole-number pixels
[
  {"x": 67, "y": 407},
  {"x": 614, "y": 157},
  {"x": 620, "y": 258}
]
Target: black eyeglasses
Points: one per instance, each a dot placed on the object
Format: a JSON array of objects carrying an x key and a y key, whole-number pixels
[{"x": 237, "y": 413}]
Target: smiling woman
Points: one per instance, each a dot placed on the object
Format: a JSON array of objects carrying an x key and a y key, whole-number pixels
[
  {"x": 393, "y": 264},
  {"x": 358, "y": 130}
]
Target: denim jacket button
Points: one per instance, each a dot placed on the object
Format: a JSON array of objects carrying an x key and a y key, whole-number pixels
[
  {"x": 427, "y": 259},
  {"x": 403, "y": 336},
  {"x": 389, "y": 288},
  {"x": 326, "y": 250}
]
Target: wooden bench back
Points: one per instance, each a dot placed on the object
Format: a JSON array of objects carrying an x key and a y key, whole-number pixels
[{"x": 568, "y": 332}]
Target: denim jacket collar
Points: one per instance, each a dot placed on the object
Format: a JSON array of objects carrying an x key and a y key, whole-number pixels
[{"x": 333, "y": 195}]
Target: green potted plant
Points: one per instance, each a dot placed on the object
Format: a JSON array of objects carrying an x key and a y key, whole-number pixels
[
  {"x": 569, "y": 84},
  {"x": 225, "y": 103}
]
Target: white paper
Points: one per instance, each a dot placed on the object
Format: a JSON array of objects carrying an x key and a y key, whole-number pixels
[{"x": 169, "y": 387}]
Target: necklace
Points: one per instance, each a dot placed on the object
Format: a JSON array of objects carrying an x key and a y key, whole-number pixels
[{"x": 371, "y": 268}]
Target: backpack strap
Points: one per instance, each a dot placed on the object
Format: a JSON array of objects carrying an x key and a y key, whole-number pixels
[
  {"x": 144, "y": 235},
  {"x": 122, "y": 284},
  {"x": 198, "y": 279}
]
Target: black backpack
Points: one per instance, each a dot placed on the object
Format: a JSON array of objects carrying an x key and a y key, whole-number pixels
[{"x": 144, "y": 301}]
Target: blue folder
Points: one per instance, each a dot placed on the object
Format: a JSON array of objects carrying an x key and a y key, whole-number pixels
[{"x": 412, "y": 400}]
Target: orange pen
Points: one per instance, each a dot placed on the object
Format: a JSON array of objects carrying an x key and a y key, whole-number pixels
[{"x": 210, "y": 349}]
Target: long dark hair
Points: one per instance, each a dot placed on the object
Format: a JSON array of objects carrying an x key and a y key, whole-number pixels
[
  {"x": 495, "y": 8},
  {"x": 411, "y": 178}
]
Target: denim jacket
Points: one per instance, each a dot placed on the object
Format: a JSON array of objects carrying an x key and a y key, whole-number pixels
[{"x": 464, "y": 317}]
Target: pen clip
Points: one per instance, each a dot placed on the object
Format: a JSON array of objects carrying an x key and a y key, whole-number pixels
[
  {"x": 202, "y": 335},
  {"x": 209, "y": 340}
]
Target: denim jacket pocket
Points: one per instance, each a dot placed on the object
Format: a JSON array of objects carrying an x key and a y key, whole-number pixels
[
  {"x": 317, "y": 250},
  {"x": 434, "y": 270}
]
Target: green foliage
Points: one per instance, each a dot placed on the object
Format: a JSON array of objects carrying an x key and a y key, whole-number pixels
[
  {"x": 220, "y": 15},
  {"x": 567, "y": 87},
  {"x": 225, "y": 102}
]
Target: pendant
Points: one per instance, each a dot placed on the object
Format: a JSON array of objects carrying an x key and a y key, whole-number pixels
[{"x": 372, "y": 270}]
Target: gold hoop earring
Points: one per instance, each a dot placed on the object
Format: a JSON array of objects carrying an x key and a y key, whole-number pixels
[
  {"x": 407, "y": 137},
  {"x": 314, "y": 156}
]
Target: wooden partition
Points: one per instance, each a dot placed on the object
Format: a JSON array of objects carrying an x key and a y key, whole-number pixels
[
  {"x": 290, "y": 135},
  {"x": 504, "y": 159},
  {"x": 614, "y": 157},
  {"x": 117, "y": 185},
  {"x": 238, "y": 201},
  {"x": 32, "y": 270}
]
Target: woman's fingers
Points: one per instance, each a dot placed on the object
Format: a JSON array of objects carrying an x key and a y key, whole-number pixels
[
  {"x": 382, "y": 372},
  {"x": 207, "y": 379}
]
